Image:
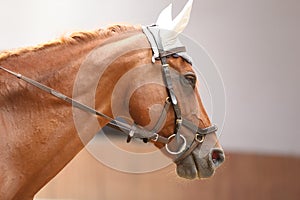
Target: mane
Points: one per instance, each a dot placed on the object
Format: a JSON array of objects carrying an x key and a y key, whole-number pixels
[{"x": 72, "y": 39}]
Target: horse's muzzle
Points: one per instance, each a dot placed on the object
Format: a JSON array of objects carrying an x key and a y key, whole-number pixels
[{"x": 194, "y": 166}]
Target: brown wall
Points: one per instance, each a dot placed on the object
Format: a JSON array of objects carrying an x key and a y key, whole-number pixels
[{"x": 242, "y": 177}]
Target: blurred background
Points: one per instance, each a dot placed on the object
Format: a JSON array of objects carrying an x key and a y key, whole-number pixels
[{"x": 255, "y": 45}]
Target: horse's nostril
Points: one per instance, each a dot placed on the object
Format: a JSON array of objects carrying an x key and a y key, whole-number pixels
[{"x": 217, "y": 157}]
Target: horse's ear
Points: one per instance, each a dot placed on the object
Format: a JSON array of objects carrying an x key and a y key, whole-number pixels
[
  {"x": 183, "y": 18},
  {"x": 165, "y": 18},
  {"x": 177, "y": 25}
]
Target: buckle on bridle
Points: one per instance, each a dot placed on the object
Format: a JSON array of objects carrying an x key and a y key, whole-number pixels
[
  {"x": 168, "y": 100},
  {"x": 155, "y": 137},
  {"x": 179, "y": 121},
  {"x": 199, "y": 138},
  {"x": 131, "y": 133}
]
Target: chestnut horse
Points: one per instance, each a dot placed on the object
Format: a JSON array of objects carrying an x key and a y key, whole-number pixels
[
  {"x": 38, "y": 135},
  {"x": 38, "y": 132}
]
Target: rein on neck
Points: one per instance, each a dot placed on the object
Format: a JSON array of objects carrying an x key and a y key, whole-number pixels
[{"x": 134, "y": 130}]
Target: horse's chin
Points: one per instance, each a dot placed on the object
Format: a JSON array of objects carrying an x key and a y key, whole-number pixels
[{"x": 193, "y": 167}]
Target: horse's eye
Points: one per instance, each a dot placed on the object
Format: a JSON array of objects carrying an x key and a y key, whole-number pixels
[{"x": 190, "y": 79}]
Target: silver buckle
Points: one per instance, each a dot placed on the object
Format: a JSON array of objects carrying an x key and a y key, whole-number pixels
[
  {"x": 199, "y": 140},
  {"x": 131, "y": 133},
  {"x": 179, "y": 121},
  {"x": 156, "y": 138}
]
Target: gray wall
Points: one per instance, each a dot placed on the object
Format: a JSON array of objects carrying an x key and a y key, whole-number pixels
[{"x": 255, "y": 44}]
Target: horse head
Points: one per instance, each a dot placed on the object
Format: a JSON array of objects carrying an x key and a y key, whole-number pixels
[{"x": 163, "y": 97}]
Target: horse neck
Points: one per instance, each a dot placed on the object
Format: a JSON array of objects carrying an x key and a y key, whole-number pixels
[
  {"x": 55, "y": 66},
  {"x": 46, "y": 64},
  {"x": 34, "y": 125}
]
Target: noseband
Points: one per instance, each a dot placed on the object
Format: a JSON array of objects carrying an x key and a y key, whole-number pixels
[{"x": 136, "y": 131}]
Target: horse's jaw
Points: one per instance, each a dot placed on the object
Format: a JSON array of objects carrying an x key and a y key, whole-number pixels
[{"x": 193, "y": 166}]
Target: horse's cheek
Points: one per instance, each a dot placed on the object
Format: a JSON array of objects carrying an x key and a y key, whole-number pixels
[
  {"x": 138, "y": 110},
  {"x": 142, "y": 101}
]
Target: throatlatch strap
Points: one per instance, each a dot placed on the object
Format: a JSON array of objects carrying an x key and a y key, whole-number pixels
[{"x": 162, "y": 117}]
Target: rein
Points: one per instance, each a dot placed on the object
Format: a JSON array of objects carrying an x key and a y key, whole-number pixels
[
  {"x": 136, "y": 131},
  {"x": 139, "y": 132}
]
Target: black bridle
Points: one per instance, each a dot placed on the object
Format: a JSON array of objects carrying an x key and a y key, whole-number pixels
[{"x": 136, "y": 131}]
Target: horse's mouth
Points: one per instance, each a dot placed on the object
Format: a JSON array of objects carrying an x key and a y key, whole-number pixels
[{"x": 193, "y": 166}]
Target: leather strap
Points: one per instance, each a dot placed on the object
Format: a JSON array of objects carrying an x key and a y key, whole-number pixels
[
  {"x": 162, "y": 117},
  {"x": 172, "y": 51},
  {"x": 172, "y": 95},
  {"x": 200, "y": 131}
]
